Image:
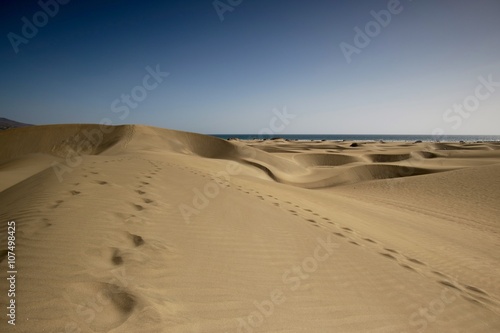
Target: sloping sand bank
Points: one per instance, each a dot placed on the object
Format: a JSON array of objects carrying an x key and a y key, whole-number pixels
[{"x": 141, "y": 229}]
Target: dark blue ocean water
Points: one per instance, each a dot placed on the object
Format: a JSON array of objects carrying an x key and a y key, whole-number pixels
[{"x": 365, "y": 137}]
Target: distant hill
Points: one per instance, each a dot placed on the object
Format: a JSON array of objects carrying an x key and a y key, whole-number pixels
[{"x": 7, "y": 123}]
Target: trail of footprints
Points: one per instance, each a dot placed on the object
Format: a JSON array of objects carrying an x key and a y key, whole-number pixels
[
  {"x": 223, "y": 183},
  {"x": 124, "y": 300},
  {"x": 121, "y": 296},
  {"x": 470, "y": 293},
  {"x": 144, "y": 181}
]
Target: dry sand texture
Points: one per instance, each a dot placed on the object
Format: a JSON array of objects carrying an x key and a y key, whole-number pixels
[{"x": 155, "y": 230}]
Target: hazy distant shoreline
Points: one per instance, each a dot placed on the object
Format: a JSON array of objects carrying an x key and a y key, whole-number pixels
[{"x": 363, "y": 137}]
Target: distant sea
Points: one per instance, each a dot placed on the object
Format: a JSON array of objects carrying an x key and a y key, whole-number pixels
[{"x": 364, "y": 137}]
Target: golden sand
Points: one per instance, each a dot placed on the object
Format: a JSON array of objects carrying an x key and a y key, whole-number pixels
[{"x": 141, "y": 229}]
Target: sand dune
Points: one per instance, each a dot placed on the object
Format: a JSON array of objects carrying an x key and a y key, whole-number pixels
[{"x": 142, "y": 229}]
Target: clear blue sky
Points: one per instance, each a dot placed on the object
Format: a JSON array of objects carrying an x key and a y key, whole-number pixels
[{"x": 227, "y": 76}]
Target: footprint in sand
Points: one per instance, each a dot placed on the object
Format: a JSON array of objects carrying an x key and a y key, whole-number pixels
[
  {"x": 116, "y": 258},
  {"x": 407, "y": 267},
  {"x": 448, "y": 284},
  {"x": 138, "y": 207},
  {"x": 57, "y": 204},
  {"x": 388, "y": 255},
  {"x": 137, "y": 240},
  {"x": 75, "y": 192},
  {"x": 476, "y": 290},
  {"x": 415, "y": 261},
  {"x": 314, "y": 223},
  {"x": 440, "y": 274},
  {"x": 119, "y": 303},
  {"x": 467, "y": 298}
]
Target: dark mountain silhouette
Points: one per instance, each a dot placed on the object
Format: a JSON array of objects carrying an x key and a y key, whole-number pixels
[{"x": 7, "y": 123}]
